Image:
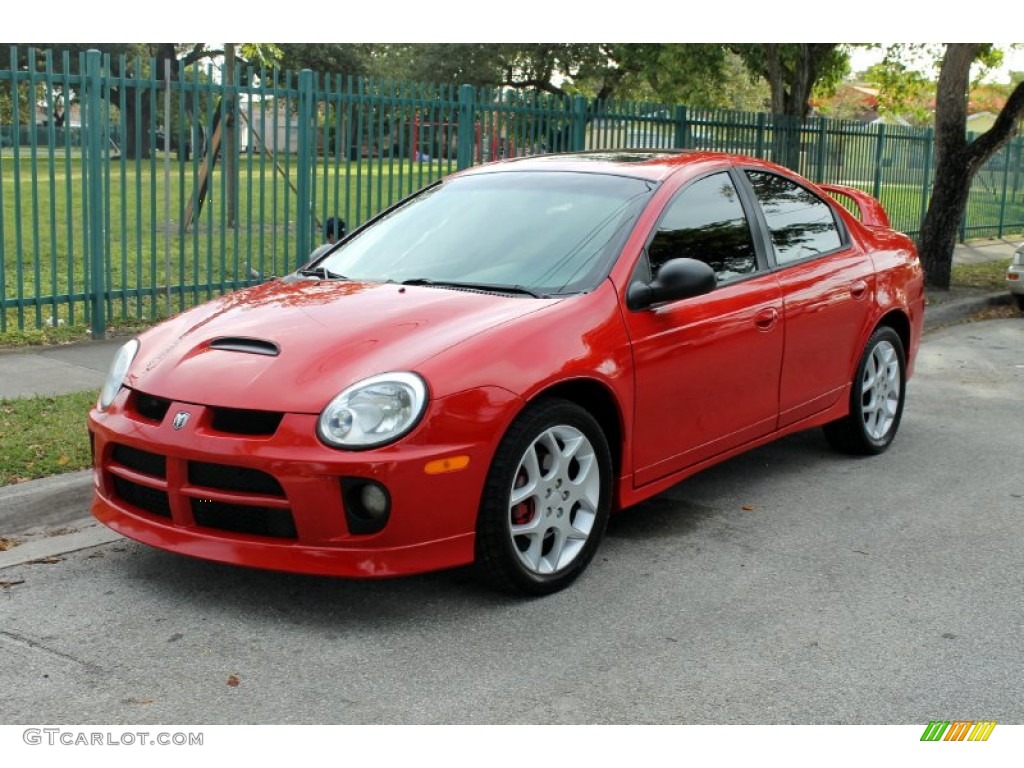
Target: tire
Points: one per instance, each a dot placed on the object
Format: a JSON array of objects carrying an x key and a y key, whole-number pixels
[
  {"x": 876, "y": 398},
  {"x": 1019, "y": 298},
  {"x": 546, "y": 502}
]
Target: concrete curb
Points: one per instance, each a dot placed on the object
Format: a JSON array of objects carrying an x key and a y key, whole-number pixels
[
  {"x": 83, "y": 534},
  {"x": 939, "y": 315},
  {"x": 45, "y": 503}
]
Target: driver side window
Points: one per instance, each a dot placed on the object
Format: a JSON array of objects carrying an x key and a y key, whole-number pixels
[{"x": 706, "y": 222}]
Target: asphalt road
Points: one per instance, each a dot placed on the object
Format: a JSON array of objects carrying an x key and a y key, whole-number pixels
[{"x": 790, "y": 585}]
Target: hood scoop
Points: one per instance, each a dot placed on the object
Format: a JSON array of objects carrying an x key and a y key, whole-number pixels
[{"x": 248, "y": 346}]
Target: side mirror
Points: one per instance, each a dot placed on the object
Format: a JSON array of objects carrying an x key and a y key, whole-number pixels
[{"x": 677, "y": 279}]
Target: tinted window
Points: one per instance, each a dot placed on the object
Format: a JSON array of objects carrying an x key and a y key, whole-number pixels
[
  {"x": 706, "y": 222},
  {"x": 551, "y": 232},
  {"x": 801, "y": 223}
]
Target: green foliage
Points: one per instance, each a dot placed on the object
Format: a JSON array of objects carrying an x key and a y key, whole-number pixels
[
  {"x": 325, "y": 58},
  {"x": 794, "y": 70},
  {"x": 700, "y": 75},
  {"x": 902, "y": 91}
]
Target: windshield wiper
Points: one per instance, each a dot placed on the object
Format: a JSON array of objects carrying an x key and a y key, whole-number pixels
[
  {"x": 517, "y": 289},
  {"x": 322, "y": 272}
]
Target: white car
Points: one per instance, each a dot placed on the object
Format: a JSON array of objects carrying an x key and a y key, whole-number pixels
[{"x": 1015, "y": 276}]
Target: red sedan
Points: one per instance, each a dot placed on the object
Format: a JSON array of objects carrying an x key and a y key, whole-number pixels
[{"x": 486, "y": 371}]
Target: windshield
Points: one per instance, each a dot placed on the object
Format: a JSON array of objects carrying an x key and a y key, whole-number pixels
[{"x": 542, "y": 232}]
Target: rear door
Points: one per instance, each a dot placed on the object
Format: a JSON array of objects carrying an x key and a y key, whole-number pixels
[{"x": 828, "y": 285}]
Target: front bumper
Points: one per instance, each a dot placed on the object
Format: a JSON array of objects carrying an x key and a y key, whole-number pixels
[{"x": 275, "y": 500}]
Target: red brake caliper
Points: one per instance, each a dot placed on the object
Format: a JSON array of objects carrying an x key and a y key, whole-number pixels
[{"x": 522, "y": 513}]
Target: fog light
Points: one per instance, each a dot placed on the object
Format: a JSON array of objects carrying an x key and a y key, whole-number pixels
[
  {"x": 374, "y": 499},
  {"x": 367, "y": 505}
]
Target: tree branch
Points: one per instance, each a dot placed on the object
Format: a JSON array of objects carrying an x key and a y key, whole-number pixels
[
  {"x": 1004, "y": 128},
  {"x": 541, "y": 85}
]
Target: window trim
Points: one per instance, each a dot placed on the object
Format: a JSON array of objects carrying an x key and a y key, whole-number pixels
[
  {"x": 761, "y": 253},
  {"x": 845, "y": 241}
]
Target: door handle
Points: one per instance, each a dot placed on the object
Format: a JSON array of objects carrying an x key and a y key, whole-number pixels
[
  {"x": 766, "y": 318},
  {"x": 858, "y": 289}
]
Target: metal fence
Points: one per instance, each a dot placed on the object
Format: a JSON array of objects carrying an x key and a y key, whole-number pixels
[{"x": 127, "y": 194}]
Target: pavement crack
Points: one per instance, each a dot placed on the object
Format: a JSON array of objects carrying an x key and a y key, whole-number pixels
[{"x": 27, "y": 642}]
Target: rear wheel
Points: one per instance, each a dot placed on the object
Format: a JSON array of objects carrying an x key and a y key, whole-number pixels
[
  {"x": 1019, "y": 297},
  {"x": 876, "y": 398},
  {"x": 546, "y": 501}
]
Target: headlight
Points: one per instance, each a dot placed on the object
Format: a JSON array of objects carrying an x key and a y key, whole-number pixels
[
  {"x": 374, "y": 411},
  {"x": 118, "y": 369}
]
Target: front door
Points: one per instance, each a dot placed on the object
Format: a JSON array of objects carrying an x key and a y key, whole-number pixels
[{"x": 707, "y": 368}]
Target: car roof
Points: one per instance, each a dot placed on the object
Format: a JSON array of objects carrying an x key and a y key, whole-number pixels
[{"x": 653, "y": 165}]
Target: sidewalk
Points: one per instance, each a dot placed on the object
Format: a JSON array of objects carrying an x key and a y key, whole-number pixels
[{"x": 30, "y": 508}]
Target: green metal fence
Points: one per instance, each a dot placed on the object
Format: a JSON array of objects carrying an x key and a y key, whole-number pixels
[{"x": 122, "y": 200}]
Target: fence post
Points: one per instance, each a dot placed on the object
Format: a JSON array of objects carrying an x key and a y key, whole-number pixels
[
  {"x": 682, "y": 128},
  {"x": 822, "y": 141},
  {"x": 761, "y": 130},
  {"x": 307, "y": 106},
  {"x": 578, "y": 124},
  {"x": 879, "y": 151},
  {"x": 929, "y": 137},
  {"x": 1008, "y": 149},
  {"x": 467, "y": 127},
  {"x": 95, "y": 215}
]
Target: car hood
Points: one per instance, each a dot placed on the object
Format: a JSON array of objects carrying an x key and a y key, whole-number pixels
[{"x": 292, "y": 346}]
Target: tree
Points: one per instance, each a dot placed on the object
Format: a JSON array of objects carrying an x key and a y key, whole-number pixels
[
  {"x": 325, "y": 58},
  {"x": 792, "y": 70},
  {"x": 957, "y": 160},
  {"x": 902, "y": 90}
]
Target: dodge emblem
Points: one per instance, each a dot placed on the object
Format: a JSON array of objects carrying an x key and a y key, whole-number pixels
[{"x": 180, "y": 419}]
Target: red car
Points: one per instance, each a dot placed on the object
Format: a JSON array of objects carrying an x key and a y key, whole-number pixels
[{"x": 487, "y": 370}]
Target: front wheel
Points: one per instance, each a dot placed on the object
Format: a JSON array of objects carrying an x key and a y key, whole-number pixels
[
  {"x": 876, "y": 398},
  {"x": 547, "y": 498}
]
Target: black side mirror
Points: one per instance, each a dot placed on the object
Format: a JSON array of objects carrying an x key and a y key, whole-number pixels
[{"x": 677, "y": 279}]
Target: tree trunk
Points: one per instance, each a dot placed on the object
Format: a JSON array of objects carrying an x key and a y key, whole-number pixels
[
  {"x": 941, "y": 226},
  {"x": 956, "y": 161},
  {"x": 135, "y": 144}
]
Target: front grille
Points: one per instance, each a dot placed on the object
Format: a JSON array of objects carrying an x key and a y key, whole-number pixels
[
  {"x": 143, "y": 497},
  {"x": 143, "y": 462},
  {"x": 235, "y": 421},
  {"x": 225, "y": 477},
  {"x": 244, "y": 518},
  {"x": 224, "y": 497},
  {"x": 149, "y": 406}
]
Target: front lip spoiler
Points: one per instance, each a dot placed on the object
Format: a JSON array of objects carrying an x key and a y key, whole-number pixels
[{"x": 258, "y": 552}]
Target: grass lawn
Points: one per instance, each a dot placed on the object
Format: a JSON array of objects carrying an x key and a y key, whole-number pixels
[
  {"x": 147, "y": 249},
  {"x": 42, "y": 436},
  {"x": 990, "y": 275}
]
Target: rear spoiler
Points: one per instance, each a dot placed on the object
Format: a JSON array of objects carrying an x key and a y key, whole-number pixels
[{"x": 869, "y": 210}]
